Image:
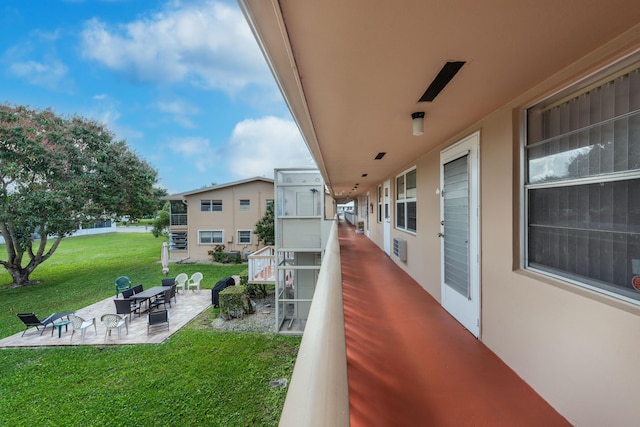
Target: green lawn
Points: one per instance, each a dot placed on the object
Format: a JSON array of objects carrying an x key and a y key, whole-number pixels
[{"x": 198, "y": 377}]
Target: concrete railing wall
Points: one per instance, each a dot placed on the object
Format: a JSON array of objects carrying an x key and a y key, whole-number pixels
[{"x": 318, "y": 394}]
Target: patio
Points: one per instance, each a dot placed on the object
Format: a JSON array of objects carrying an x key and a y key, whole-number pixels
[{"x": 188, "y": 306}]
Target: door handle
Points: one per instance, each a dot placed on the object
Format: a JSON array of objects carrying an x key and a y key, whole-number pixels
[{"x": 440, "y": 235}]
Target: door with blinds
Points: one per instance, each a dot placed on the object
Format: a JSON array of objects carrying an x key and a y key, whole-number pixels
[{"x": 459, "y": 232}]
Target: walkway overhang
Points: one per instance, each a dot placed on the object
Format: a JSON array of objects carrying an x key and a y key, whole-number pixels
[{"x": 352, "y": 72}]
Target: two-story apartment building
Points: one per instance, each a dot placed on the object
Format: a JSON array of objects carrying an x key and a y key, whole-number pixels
[{"x": 221, "y": 215}]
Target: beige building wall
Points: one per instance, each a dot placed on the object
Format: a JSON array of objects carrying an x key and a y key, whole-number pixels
[
  {"x": 230, "y": 220},
  {"x": 579, "y": 349}
]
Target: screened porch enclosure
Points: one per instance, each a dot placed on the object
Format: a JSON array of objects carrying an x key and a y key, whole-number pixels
[{"x": 300, "y": 241}]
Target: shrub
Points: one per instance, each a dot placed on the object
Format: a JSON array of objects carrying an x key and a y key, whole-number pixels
[
  {"x": 226, "y": 257},
  {"x": 257, "y": 290},
  {"x": 234, "y": 302}
]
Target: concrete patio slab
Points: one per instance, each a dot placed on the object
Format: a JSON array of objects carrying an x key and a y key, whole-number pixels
[{"x": 188, "y": 306}]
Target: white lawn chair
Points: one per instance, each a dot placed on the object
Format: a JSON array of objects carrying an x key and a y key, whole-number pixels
[
  {"x": 79, "y": 324},
  {"x": 114, "y": 321},
  {"x": 194, "y": 281},
  {"x": 181, "y": 281}
]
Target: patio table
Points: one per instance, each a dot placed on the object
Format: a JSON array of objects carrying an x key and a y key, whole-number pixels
[
  {"x": 59, "y": 325},
  {"x": 148, "y": 294}
]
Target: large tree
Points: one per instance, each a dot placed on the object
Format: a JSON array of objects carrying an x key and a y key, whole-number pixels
[{"x": 57, "y": 173}]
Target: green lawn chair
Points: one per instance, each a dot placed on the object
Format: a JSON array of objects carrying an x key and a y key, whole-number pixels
[{"x": 122, "y": 283}]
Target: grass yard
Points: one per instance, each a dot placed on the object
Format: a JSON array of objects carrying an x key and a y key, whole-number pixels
[{"x": 198, "y": 377}]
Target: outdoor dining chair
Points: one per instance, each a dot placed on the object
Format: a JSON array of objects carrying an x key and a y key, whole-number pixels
[
  {"x": 126, "y": 307},
  {"x": 194, "y": 281},
  {"x": 158, "y": 318},
  {"x": 79, "y": 324},
  {"x": 181, "y": 281},
  {"x": 113, "y": 321},
  {"x": 122, "y": 283},
  {"x": 165, "y": 298}
]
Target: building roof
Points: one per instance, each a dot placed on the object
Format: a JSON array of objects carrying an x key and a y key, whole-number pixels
[{"x": 180, "y": 196}]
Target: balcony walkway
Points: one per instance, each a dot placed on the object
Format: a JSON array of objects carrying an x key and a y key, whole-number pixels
[{"x": 411, "y": 364}]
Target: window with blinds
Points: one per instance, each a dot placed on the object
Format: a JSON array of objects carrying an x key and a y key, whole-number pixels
[
  {"x": 244, "y": 237},
  {"x": 211, "y": 205},
  {"x": 245, "y": 205},
  {"x": 582, "y": 184},
  {"x": 210, "y": 237},
  {"x": 406, "y": 213}
]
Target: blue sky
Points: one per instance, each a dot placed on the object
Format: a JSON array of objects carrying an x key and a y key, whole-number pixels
[{"x": 182, "y": 82}]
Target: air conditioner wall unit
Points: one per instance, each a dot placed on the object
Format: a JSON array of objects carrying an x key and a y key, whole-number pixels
[{"x": 400, "y": 249}]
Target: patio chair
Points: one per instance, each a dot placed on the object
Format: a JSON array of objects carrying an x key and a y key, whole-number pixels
[
  {"x": 137, "y": 288},
  {"x": 169, "y": 281},
  {"x": 194, "y": 281},
  {"x": 122, "y": 283},
  {"x": 165, "y": 298},
  {"x": 31, "y": 320},
  {"x": 114, "y": 321},
  {"x": 181, "y": 281},
  {"x": 126, "y": 307},
  {"x": 158, "y": 318},
  {"x": 127, "y": 293},
  {"x": 79, "y": 324}
]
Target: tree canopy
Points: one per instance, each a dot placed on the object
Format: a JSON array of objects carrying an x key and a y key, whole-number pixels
[{"x": 57, "y": 173}]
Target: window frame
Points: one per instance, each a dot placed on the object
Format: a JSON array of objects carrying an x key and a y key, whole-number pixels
[
  {"x": 244, "y": 207},
  {"x": 214, "y": 205},
  {"x": 239, "y": 240},
  {"x": 212, "y": 242},
  {"x": 578, "y": 183},
  {"x": 404, "y": 200},
  {"x": 380, "y": 204}
]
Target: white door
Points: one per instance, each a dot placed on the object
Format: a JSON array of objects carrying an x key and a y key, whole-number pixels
[
  {"x": 386, "y": 222},
  {"x": 460, "y": 232}
]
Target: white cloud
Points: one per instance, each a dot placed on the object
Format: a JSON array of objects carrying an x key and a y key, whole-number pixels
[
  {"x": 180, "y": 111},
  {"x": 105, "y": 110},
  {"x": 197, "y": 154},
  {"x": 206, "y": 44},
  {"x": 45, "y": 74},
  {"x": 258, "y": 146}
]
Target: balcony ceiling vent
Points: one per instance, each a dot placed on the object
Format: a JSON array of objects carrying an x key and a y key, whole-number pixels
[{"x": 448, "y": 71}]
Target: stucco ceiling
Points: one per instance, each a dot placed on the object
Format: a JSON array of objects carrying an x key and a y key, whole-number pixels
[{"x": 353, "y": 71}]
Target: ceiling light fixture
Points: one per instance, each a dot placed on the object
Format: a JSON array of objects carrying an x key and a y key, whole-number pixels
[{"x": 418, "y": 123}]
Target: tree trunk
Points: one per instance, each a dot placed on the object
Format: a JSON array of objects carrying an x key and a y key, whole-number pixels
[
  {"x": 14, "y": 265},
  {"x": 20, "y": 276}
]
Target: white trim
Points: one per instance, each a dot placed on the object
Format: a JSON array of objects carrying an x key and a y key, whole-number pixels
[
  {"x": 466, "y": 310},
  {"x": 210, "y": 243},
  {"x": 240, "y": 242},
  {"x": 245, "y": 207},
  {"x": 405, "y": 200}
]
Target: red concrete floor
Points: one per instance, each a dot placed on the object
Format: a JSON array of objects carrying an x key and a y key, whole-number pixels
[{"x": 410, "y": 363}]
